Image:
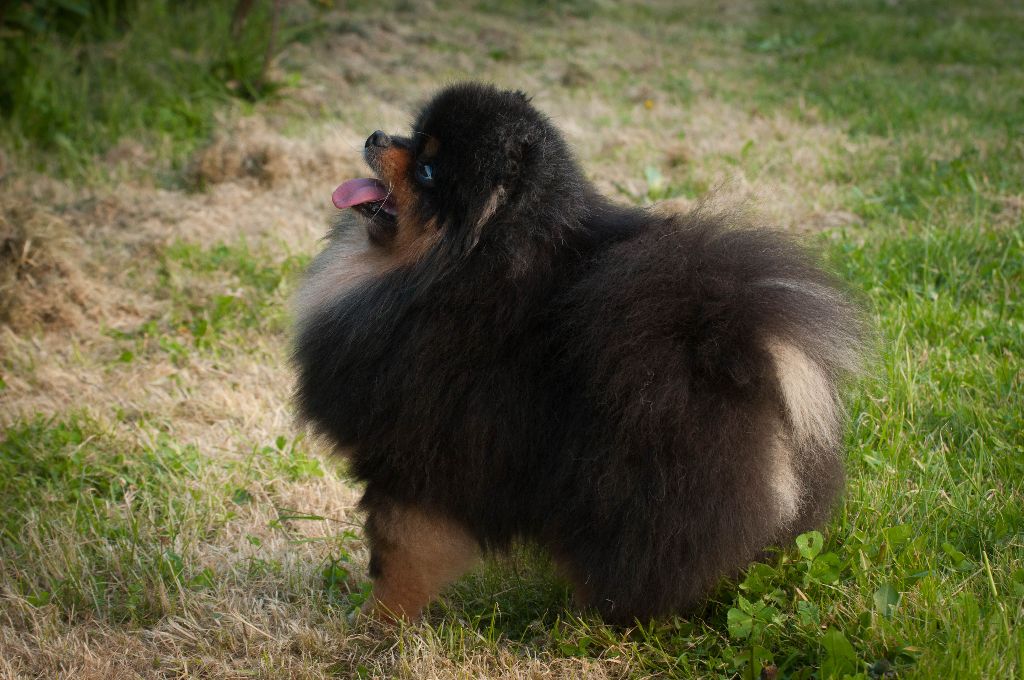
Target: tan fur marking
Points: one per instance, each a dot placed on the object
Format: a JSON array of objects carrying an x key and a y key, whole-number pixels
[
  {"x": 431, "y": 148},
  {"x": 414, "y": 238},
  {"x": 422, "y": 554},
  {"x": 393, "y": 164},
  {"x": 810, "y": 396},
  {"x": 784, "y": 481},
  {"x": 491, "y": 207},
  {"x": 412, "y": 242}
]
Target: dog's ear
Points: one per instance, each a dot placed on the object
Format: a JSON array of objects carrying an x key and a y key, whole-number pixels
[
  {"x": 488, "y": 209},
  {"x": 478, "y": 215},
  {"x": 482, "y": 213},
  {"x": 519, "y": 140},
  {"x": 520, "y": 143}
]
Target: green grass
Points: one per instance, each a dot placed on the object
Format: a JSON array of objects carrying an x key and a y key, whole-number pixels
[
  {"x": 220, "y": 296},
  {"x": 78, "y": 77},
  {"x": 881, "y": 67},
  {"x": 245, "y": 289},
  {"x": 941, "y": 83},
  {"x": 94, "y": 525},
  {"x": 94, "y": 522}
]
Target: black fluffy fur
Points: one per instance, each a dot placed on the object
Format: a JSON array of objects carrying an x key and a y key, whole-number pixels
[{"x": 588, "y": 376}]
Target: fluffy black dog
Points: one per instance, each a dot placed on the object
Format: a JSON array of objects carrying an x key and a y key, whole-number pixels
[{"x": 504, "y": 353}]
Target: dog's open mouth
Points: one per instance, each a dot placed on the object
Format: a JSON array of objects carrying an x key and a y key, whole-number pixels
[{"x": 369, "y": 196}]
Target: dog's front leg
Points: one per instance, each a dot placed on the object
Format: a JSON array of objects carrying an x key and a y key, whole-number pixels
[{"x": 414, "y": 554}]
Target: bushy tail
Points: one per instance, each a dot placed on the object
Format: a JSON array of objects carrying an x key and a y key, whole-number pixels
[
  {"x": 815, "y": 336},
  {"x": 759, "y": 286},
  {"x": 734, "y": 300},
  {"x": 766, "y": 307}
]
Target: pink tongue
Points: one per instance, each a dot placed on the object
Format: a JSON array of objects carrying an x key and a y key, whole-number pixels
[{"x": 356, "y": 191}]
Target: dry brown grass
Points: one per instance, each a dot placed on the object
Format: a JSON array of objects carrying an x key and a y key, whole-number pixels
[{"x": 39, "y": 284}]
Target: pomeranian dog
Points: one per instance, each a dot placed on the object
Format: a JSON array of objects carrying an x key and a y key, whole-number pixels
[{"x": 503, "y": 353}]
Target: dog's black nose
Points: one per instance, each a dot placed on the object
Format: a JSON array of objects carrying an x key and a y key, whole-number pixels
[{"x": 378, "y": 138}]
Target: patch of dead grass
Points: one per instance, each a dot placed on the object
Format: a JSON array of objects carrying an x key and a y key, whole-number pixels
[
  {"x": 40, "y": 285},
  {"x": 248, "y": 149}
]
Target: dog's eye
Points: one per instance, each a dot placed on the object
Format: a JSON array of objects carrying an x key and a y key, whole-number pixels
[{"x": 425, "y": 173}]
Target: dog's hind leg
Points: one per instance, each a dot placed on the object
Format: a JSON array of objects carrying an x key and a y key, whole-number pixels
[{"x": 414, "y": 554}]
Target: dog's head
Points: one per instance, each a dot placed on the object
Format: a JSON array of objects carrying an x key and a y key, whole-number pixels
[{"x": 477, "y": 157}]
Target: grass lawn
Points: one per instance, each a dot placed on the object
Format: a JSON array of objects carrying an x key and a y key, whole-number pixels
[{"x": 163, "y": 516}]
